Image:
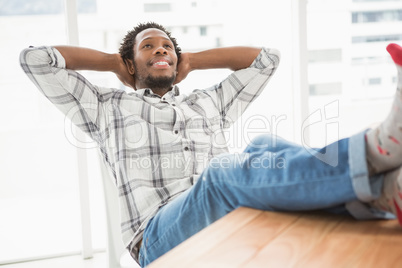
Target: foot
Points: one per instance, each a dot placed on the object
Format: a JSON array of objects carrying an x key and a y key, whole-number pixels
[
  {"x": 395, "y": 51},
  {"x": 384, "y": 143},
  {"x": 396, "y": 54},
  {"x": 391, "y": 197}
]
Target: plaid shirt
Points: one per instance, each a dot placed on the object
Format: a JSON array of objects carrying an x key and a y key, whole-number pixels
[{"x": 156, "y": 147}]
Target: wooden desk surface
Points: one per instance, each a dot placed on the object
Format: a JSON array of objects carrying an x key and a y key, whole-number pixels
[{"x": 253, "y": 238}]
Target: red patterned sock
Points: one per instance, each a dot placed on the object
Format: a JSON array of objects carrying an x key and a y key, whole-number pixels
[
  {"x": 384, "y": 143},
  {"x": 396, "y": 53},
  {"x": 391, "y": 194}
]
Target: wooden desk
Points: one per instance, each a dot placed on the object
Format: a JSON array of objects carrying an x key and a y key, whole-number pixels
[{"x": 252, "y": 238}]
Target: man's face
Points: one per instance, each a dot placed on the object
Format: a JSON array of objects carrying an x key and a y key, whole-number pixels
[{"x": 155, "y": 60}]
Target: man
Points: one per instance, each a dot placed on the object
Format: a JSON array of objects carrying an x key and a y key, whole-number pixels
[{"x": 167, "y": 153}]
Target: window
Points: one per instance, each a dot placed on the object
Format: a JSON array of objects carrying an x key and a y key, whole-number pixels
[
  {"x": 374, "y": 0},
  {"x": 374, "y": 81},
  {"x": 39, "y": 164},
  {"x": 39, "y": 195},
  {"x": 42, "y": 7},
  {"x": 368, "y": 60},
  {"x": 27, "y": 181},
  {"x": 376, "y": 16},
  {"x": 218, "y": 42},
  {"x": 203, "y": 30},
  {"x": 376, "y": 38},
  {"x": 325, "y": 55},
  {"x": 159, "y": 7},
  {"x": 325, "y": 89}
]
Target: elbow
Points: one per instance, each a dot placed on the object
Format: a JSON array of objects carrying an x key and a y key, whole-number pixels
[
  {"x": 275, "y": 56},
  {"x": 27, "y": 57},
  {"x": 24, "y": 57},
  {"x": 34, "y": 56}
]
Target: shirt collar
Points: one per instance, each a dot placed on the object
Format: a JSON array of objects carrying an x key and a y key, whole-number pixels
[{"x": 149, "y": 93}]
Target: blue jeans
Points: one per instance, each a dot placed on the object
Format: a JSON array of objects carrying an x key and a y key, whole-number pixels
[{"x": 271, "y": 174}]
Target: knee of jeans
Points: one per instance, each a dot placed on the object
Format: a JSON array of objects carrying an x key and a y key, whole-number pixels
[
  {"x": 265, "y": 141},
  {"x": 222, "y": 168}
]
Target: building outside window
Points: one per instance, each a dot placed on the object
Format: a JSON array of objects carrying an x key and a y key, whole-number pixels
[
  {"x": 203, "y": 30},
  {"x": 377, "y": 16},
  {"x": 158, "y": 7}
]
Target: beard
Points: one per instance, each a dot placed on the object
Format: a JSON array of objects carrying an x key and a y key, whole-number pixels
[
  {"x": 154, "y": 82},
  {"x": 160, "y": 82}
]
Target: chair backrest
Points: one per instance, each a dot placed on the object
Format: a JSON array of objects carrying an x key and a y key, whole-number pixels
[{"x": 115, "y": 246}]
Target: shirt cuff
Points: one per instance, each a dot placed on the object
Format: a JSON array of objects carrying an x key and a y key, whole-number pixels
[
  {"x": 268, "y": 58},
  {"x": 57, "y": 60}
]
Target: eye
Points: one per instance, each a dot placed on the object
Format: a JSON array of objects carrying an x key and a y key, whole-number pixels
[
  {"x": 146, "y": 46},
  {"x": 168, "y": 45}
]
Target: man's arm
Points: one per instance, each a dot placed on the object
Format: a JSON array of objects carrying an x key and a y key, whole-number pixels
[
  {"x": 233, "y": 58},
  {"x": 79, "y": 58},
  {"x": 253, "y": 69},
  {"x": 76, "y": 97}
]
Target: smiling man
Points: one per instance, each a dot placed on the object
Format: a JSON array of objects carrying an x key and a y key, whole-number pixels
[
  {"x": 150, "y": 68},
  {"x": 167, "y": 153}
]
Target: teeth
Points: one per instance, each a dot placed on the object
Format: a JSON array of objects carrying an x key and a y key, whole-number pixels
[{"x": 161, "y": 63}]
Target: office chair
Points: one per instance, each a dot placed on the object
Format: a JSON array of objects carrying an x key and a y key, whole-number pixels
[{"x": 118, "y": 256}]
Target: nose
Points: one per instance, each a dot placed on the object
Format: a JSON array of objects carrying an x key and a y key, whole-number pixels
[{"x": 160, "y": 50}]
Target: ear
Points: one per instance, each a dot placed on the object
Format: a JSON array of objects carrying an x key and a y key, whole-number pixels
[{"x": 130, "y": 66}]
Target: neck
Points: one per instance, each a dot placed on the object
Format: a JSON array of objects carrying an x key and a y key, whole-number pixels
[{"x": 161, "y": 92}]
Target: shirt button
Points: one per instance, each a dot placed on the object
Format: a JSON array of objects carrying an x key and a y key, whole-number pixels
[
  {"x": 176, "y": 132},
  {"x": 186, "y": 148}
]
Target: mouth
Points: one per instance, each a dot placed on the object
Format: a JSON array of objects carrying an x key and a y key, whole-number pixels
[{"x": 160, "y": 64}]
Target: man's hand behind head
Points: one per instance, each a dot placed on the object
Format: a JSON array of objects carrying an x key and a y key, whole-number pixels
[
  {"x": 123, "y": 74},
  {"x": 183, "y": 67}
]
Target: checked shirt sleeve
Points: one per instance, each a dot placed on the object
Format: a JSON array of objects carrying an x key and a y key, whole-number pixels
[
  {"x": 69, "y": 91},
  {"x": 235, "y": 93}
]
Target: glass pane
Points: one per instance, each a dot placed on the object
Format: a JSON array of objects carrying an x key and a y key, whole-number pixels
[
  {"x": 39, "y": 198},
  {"x": 38, "y": 195},
  {"x": 349, "y": 64}
]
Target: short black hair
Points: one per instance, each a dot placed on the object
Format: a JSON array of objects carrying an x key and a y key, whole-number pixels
[{"x": 126, "y": 47}]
